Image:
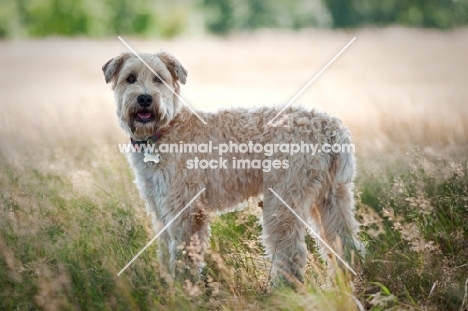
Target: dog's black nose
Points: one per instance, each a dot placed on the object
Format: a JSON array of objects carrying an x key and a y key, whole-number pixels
[{"x": 144, "y": 100}]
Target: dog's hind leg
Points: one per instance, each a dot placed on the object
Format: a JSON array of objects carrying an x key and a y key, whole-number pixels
[{"x": 284, "y": 233}]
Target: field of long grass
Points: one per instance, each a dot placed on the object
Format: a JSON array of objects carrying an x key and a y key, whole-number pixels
[{"x": 71, "y": 218}]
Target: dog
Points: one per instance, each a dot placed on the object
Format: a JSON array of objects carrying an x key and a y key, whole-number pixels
[{"x": 318, "y": 187}]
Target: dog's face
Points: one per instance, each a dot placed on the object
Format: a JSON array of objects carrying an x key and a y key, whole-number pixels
[{"x": 145, "y": 101}]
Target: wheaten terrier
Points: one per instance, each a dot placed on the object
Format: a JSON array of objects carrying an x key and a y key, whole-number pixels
[{"x": 318, "y": 187}]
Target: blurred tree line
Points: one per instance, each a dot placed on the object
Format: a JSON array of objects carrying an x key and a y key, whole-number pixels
[
  {"x": 167, "y": 18},
  {"x": 95, "y": 18},
  {"x": 225, "y": 15}
]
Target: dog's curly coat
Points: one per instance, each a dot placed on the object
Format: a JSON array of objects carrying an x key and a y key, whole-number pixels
[{"x": 318, "y": 187}]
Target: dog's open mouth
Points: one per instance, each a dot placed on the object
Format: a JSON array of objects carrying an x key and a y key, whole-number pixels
[{"x": 144, "y": 116}]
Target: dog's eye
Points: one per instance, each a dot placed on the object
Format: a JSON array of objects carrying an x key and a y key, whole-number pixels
[
  {"x": 131, "y": 79},
  {"x": 157, "y": 80}
]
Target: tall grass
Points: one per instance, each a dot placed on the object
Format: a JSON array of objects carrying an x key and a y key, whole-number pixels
[
  {"x": 61, "y": 249},
  {"x": 414, "y": 221}
]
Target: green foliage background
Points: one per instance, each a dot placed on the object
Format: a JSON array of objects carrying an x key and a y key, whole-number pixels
[
  {"x": 39, "y": 18},
  {"x": 165, "y": 18}
]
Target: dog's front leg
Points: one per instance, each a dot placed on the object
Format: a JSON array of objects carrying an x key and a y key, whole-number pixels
[{"x": 186, "y": 237}]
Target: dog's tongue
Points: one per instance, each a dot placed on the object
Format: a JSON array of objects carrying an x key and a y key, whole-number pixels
[{"x": 144, "y": 115}]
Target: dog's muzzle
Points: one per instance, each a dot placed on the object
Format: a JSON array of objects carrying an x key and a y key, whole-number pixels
[
  {"x": 145, "y": 114},
  {"x": 145, "y": 100}
]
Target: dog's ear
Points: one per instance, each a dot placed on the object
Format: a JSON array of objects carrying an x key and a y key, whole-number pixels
[
  {"x": 178, "y": 72},
  {"x": 113, "y": 66}
]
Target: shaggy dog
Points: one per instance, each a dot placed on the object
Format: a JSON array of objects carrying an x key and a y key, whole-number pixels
[{"x": 318, "y": 186}]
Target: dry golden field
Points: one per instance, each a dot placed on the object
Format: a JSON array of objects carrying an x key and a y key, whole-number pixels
[
  {"x": 68, "y": 207},
  {"x": 391, "y": 86}
]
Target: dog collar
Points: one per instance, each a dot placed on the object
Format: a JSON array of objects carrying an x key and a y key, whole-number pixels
[{"x": 152, "y": 139}]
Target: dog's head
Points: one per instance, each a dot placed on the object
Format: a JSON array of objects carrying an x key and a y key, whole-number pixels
[{"x": 145, "y": 101}]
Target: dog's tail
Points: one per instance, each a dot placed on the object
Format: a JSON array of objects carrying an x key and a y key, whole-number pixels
[
  {"x": 336, "y": 208},
  {"x": 343, "y": 163}
]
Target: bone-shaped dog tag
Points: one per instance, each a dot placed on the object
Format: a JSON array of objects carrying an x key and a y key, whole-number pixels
[{"x": 156, "y": 158}]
